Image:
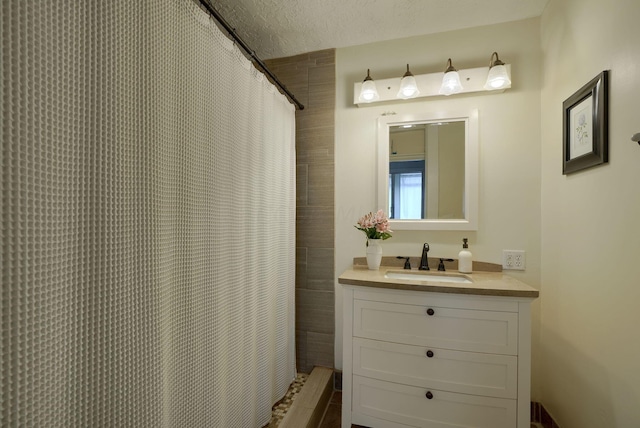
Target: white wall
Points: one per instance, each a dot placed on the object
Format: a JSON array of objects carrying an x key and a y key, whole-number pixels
[
  {"x": 509, "y": 214},
  {"x": 590, "y": 320}
]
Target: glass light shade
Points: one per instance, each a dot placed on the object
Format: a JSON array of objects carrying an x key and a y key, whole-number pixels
[
  {"x": 408, "y": 88},
  {"x": 368, "y": 92},
  {"x": 450, "y": 83},
  {"x": 498, "y": 78}
]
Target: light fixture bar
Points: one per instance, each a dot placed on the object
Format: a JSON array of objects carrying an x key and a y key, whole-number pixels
[{"x": 473, "y": 80}]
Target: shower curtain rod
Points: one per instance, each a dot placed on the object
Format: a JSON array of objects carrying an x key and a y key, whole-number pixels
[{"x": 232, "y": 32}]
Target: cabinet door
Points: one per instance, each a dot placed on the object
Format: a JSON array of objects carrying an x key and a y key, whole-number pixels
[
  {"x": 409, "y": 405},
  {"x": 456, "y": 371},
  {"x": 446, "y": 328}
]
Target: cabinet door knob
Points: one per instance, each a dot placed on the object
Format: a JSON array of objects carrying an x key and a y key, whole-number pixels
[
  {"x": 430, "y": 353},
  {"x": 429, "y": 395},
  {"x": 430, "y": 312}
]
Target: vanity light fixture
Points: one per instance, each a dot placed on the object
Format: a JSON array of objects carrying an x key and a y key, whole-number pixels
[
  {"x": 451, "y": 81},
  {"x": 498, "y": 77},
  {"x": 408, "y": 86},
  {"x": 492, "y": 79},
  {"x": 368, "y": 93}
]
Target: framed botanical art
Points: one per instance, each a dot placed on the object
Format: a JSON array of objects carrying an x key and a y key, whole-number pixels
[{"x": 585, "y": 126}]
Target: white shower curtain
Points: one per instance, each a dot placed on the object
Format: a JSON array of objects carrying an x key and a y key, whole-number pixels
[{"x": 148, "y": 220}]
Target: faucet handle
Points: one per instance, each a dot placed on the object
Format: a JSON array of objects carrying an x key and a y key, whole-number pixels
[
  {"x": 441, "y": 265},
  {"x": 407, "y": 264}
]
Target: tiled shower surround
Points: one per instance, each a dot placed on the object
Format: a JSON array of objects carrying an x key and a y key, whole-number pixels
[{"x": 311, "y": 78}]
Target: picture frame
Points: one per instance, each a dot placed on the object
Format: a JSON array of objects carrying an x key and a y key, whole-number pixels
[{"x": 585, "y": 126}]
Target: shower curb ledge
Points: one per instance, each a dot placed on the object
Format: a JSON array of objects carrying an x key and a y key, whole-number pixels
[{"x": 308, "y": 408}]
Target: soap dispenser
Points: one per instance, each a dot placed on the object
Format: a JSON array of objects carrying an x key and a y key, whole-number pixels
[{"x": 465, "y": 260}]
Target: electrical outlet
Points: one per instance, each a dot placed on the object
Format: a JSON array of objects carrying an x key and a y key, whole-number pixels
[{"x": 513, "y": 259}]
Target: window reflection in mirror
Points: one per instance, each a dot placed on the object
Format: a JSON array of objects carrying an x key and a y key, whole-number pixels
[{"x": 427, "y": 170}]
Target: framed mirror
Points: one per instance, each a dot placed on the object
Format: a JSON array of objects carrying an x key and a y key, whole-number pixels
[{"x": 428, "y": 170}]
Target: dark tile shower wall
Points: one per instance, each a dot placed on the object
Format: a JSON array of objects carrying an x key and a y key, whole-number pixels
[{"x": 311, "y": 78}]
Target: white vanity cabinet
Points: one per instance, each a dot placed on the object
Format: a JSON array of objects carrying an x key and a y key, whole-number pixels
[{"x": 435, "y": 360}]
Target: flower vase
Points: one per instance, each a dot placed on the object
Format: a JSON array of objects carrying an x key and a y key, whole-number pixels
[{"x": 374, "y": 253}]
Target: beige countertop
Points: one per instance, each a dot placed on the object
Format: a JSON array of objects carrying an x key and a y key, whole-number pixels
[{"x": 483, "y": 283}]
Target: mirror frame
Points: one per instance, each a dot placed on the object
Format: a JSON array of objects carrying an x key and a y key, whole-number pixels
[{"x": 471, "y": 178}]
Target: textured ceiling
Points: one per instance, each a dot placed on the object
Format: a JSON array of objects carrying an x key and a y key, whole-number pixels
[{"x": 280, "y": 28}]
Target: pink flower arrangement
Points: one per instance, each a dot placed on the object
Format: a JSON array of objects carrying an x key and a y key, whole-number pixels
[{"x": 375, "y": 226}]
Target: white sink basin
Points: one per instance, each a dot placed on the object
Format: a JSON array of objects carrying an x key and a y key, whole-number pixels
[{"x": 423, "y": 276}]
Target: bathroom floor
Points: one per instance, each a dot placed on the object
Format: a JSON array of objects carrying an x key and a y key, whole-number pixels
[{"x": 333, "y": 415}]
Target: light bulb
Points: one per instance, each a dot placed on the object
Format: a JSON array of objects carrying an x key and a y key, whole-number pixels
[
  {"x": 408, "y": 86},
  {"x": 450, "y": 81},
  {"x": 368, "y": 91},
  {"x": 498, "y": 77}
]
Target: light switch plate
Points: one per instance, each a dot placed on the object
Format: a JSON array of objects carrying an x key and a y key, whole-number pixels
[{"x": 513, "y": 259}]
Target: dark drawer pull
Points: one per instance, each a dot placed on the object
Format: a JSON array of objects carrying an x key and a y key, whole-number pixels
[
  {"x": 430, "y": 312},
  {"x": 430, "y": 353},
  {"x": 429, "y": 395}
]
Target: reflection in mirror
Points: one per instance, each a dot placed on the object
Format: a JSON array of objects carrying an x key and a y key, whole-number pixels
[{"x": 427, "y": 170}]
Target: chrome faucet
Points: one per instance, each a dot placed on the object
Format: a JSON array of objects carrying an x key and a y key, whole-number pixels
[{"x": 424, "y": 262}]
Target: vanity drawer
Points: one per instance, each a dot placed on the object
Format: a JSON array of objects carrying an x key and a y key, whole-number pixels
[
  {"x": 446, "y": 328},
  {"x": 409, "y": 405},
  {"x": 455, "y": 371}
]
